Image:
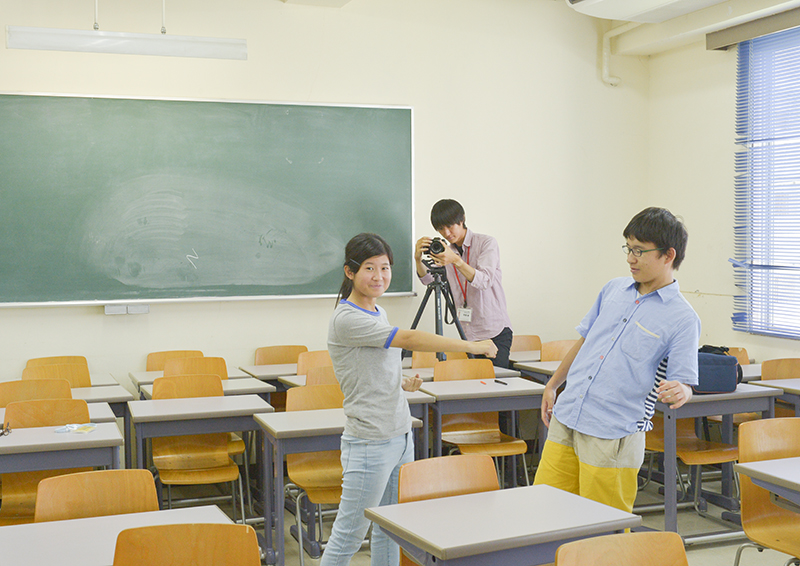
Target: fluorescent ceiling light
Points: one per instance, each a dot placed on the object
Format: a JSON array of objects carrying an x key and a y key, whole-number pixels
[{"x": 91, "y": 41}]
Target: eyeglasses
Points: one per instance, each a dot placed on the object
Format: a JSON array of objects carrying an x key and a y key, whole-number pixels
[
  {"x": 5, "y": 431},
  {"x": 636, "y": 252}
]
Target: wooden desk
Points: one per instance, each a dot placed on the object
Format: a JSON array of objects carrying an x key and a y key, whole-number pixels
[
  {"x": 293, "y": 432},
  {"x": 524, "y": 356},
  {"x": 117, "y": 398},
  {"x": 790, "y": 390},
  {"x": 196, "y": 415},
  {"x": 239, "y": 386},
  {"x": 41, "y": 448},
  {"x": 746, "y": 399},
  {"x": 518, "y": 526},
  {"x": 538, "y": 371},
  {"x": 98, "y": 413},
  {"x": 751, "y": 372},
  {"x": 781, "y": 477},
  {"x": 90, "y": 541},
  {"x": 140, "y": 378},
  {"x": 426, "y": 374}
]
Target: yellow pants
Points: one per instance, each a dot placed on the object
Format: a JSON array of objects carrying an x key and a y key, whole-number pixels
[{"x": 596, "y": 468}]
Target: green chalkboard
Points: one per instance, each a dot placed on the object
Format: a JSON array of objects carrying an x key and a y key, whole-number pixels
[{"x": 107, "y": 199}]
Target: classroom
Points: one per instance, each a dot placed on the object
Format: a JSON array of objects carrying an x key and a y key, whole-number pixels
[{"x": 511, "y": 117}]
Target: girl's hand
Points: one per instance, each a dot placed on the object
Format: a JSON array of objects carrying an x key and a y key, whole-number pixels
[{"x": 411, "y": 383}]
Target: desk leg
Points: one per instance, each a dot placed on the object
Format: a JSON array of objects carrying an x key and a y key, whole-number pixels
[
  {"x": 126, "y": 421},
  {"x": 437, "y": 431},
  {"x": 277, "y": 495},
  {"x": 139, "y": 448},
  {"x": 670, "y": 470},
  {"x": 267, "y": 497}
]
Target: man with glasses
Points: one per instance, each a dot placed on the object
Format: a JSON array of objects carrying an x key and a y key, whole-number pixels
[{"x": 638, "y": 344}]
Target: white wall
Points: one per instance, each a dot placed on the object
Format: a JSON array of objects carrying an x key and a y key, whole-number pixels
[
  {"x": 511, "y": 118},
  {"x": 690, "y": 170}
]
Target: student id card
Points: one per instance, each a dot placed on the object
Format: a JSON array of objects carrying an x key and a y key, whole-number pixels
[{"x": 464, "y": 314}]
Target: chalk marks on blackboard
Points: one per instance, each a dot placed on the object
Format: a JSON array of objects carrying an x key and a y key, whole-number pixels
[{"x": 140, "y": 231}]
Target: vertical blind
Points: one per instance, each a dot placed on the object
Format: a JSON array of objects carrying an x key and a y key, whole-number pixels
[{"x": 767, "y": 186}]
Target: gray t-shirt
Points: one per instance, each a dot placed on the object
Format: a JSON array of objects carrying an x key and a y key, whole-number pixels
[{"x": 369, "y": 373}]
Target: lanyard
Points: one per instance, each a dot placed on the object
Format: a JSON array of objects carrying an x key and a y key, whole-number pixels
[{"x": 466, "y": 283}]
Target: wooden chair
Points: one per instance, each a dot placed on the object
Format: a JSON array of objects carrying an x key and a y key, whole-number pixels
[
  {"x": 156, "y": 360},
  {"x": 628, "y": 549},
  {"x": 196, "y": 459},
  {"x": 95, "y": 494},
  {"x": 556, "y": 350},
  {"x": 784, "y": 368},
  {"x": 321, "y": 375},
  {"x": 57, "y": 360},
  {"x": 525, "y": 343},
  {"x": 76, "y": 374},
  {"x": 692, "y": 451},
  {"x": 19, "y": 488},
  {"x": 429, "y": 359},
  {"x": 765, "y": 523},
  {"x": 26, "y": 390},
  {"x": 196, "y": 365},
  {"x": 196, "y": 544},
  {"x": 476, "y": 433},
  {"x": 445, "y": 476},
  {"x": 278, "y": 355},
  {"x": 740, "y": 354},
  {"x": 312, "y": 359},
  {"x": 316, "y": 476}
]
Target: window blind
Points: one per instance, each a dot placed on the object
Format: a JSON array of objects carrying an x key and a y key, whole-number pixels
[{"x": 767, "y": 186}]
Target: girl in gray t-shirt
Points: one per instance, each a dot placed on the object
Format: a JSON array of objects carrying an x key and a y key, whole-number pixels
[{"x": 377, "y": 439}]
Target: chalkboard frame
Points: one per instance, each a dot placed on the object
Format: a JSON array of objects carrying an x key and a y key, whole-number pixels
[{"x": 402, "y": 284}]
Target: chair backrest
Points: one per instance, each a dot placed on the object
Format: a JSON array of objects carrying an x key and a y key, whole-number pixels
[
  {"x": 196, "y": 365},
  {"x": 27, "y": 389},
  {"x": 76, "y": 374},
  {"x": 313, "y": 397},
  {"x": 525, "y": 343},
  {"x": 445, "y": 476},
  {"x": 156, "y": 360},
  {"x": 278, "y": 354},
  {"x": 765, "y": 439},
  {"x": 197, "y": 544},
  {"x": 556, "y": 350},
  {"x": 193, "y": 385},
  {"x": 429, "y": 359},
  {"x": 95, "y": 494},
  {"x": 312, "y": 359},
  {"x": 783, "y": 368},
  {"x": 740, "y": 354},
  {"x": 627, "y": 549},
  {"x": 321, "y": 375},
  {"x": 46, "y": 412},
  {"x": 57, "y": 360},
  {"x": 468, "y": 423}
]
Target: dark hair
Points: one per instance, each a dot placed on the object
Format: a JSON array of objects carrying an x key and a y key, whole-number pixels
[
  {"x": 359, "y": 249},
  {"x": 661, "y": 227},
  {"x": 446, "y": 212}
]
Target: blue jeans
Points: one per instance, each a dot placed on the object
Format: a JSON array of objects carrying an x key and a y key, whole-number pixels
[{"x": 371, "y": 470}]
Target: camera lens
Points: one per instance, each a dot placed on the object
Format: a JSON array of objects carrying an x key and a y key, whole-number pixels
[{"x": 436, "y": 246}]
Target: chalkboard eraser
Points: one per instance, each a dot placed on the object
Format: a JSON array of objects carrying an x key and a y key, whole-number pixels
[
  {"x": 116, "y": 309},
  {"x": 138, "y": 309}
]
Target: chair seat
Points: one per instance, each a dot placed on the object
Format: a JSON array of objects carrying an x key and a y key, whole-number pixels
[
  {"x": 697, "y": 452},
  {"x": 319, "y": 474},
  {"x": 235, "y": 445},
  {"x": 201, "y": 476},
  {"x": 505, "y": 446},
  {"x": 188, "y": 451},
  {"x": 738, "y": 418},
  {"x": 777, "y": 534},
  {"x": 19, "y": 494}
]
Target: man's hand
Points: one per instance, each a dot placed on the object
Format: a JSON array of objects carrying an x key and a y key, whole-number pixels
[
  {"x": 411, "y": 383},
  {"x": 484, "y": 348},
  {"x": 548, "y": 401},
  {"x": 674, "y": 393}
]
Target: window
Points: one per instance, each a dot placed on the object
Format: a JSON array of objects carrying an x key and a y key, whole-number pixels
[{"x": 767, "y": 187}]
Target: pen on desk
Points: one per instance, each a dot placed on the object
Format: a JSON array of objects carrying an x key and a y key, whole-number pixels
[
  {"x": 500, "y": 382},
  {"x": 482, "y": 381}
]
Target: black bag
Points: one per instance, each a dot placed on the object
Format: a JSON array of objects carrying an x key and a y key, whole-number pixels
[{"x": 716, "y": 374}]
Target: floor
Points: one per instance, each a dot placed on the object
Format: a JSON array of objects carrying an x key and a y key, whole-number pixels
[{"x": 712, "y": 554}]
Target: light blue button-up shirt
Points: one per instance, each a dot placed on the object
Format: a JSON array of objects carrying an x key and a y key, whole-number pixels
[{"x": 626, "y": 337}]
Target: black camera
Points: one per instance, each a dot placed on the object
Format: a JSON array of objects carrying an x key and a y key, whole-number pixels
[{"x": 436, "y": 246}]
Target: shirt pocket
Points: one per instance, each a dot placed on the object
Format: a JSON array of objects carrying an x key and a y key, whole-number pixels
[{"x": 640, "y": 342}]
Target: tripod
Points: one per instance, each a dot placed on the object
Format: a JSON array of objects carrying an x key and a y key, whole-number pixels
[{"x": 440, "y": 289}]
